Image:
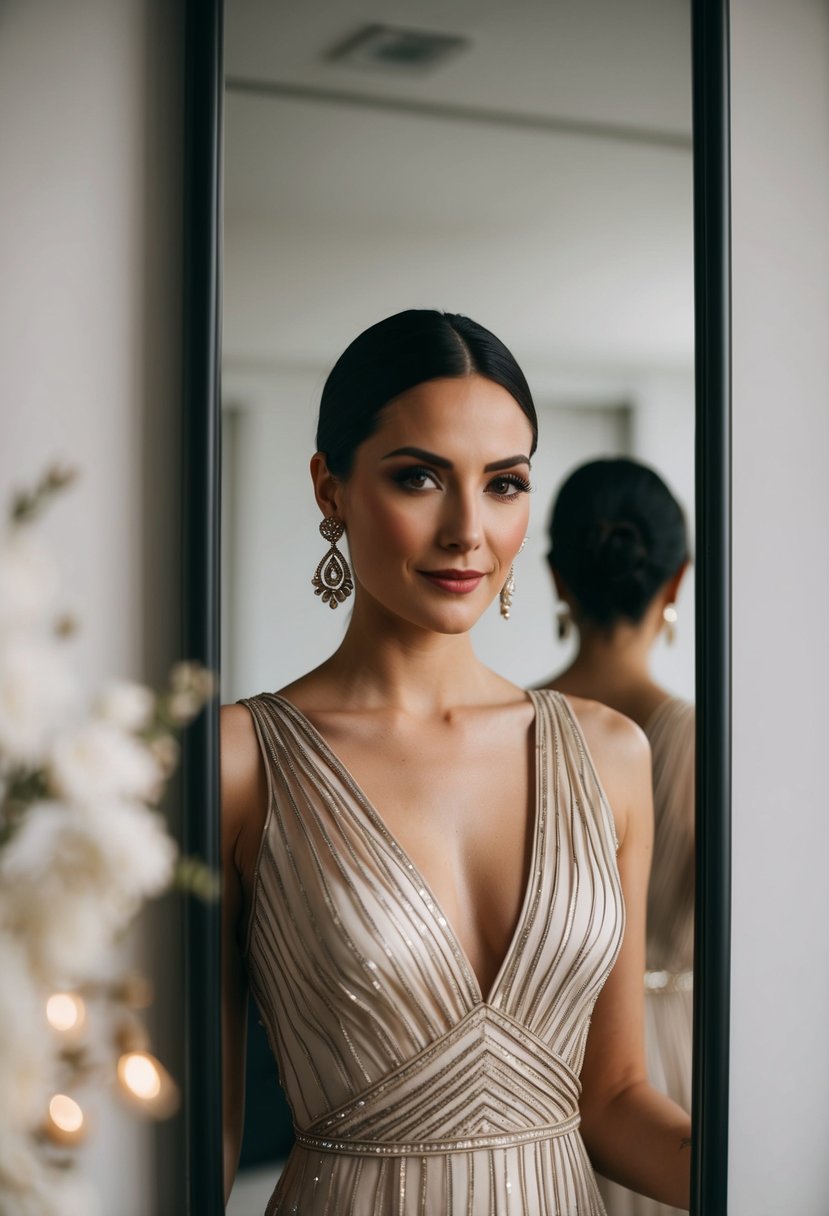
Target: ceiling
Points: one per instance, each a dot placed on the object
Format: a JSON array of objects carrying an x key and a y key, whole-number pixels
[{"x": 539, "y": 180}]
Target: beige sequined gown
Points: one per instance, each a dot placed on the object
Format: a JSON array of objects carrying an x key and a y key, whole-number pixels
[
  {"x": 670, "y": 949},
  {"x": 411, "y": 1094}
]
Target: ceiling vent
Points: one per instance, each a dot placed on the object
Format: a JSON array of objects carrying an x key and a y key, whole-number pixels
[{"x": 391, "y": 49}]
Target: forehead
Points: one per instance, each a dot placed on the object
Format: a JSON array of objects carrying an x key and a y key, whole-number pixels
[{"x": 468, "y": 415}]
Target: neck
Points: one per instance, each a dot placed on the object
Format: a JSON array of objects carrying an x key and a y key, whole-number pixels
[
  {"x": 609, "y": 662},
  {"x": 384, "y": 661}
]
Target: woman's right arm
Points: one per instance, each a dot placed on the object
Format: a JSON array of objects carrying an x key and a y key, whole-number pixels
[{"x": 244, "y": 798}]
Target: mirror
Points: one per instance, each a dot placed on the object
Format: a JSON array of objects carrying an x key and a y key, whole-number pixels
[{"x": 539, "y": 179}]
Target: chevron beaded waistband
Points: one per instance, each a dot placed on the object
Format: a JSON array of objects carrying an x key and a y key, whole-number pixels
[{"x": 426, "y": 1148}]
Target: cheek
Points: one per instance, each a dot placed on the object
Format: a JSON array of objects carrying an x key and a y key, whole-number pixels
[
  {"x": 510, "y": 525},
  {"x": 390, "y": 522}
]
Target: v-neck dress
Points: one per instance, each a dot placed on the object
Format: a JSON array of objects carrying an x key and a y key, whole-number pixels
[{"x": 411, "y": 1093}]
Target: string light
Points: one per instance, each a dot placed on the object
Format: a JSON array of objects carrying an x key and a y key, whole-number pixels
[
  {"x": 66, "y": 1124},
  {"x": 65, "y": 1012},
  {"x": 146, "y": 1082}
]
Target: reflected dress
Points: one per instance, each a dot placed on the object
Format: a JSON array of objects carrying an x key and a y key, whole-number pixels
[
  {"x": 670, "y": 932},
  {"x": 411, "y": 1093}
]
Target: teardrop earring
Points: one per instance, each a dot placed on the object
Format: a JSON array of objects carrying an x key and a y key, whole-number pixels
[
  {"x": 508, "y": 589},
  {"x": 670, "y": 616},
  {"x": 332, "y": 578},
  {"x": 507, "y": 592}
]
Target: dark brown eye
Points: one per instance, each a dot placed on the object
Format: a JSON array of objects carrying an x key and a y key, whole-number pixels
[{"x": 510, "y": 485}]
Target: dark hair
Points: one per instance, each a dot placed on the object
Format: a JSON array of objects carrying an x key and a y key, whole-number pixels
[
  {"x": 617, "y": 534},
  {"x": 398, "y": 354}
]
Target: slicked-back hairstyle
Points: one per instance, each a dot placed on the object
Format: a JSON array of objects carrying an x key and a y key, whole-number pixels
[
  {"x": 617, "y": 534},
  {"x": 398, "y": 354}
]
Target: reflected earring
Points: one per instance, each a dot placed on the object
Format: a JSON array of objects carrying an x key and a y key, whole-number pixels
[
  {"x": 564, "y": 623},
  {"x": 332, "y": 579},
  {"x": 507, "y": 592},
  {"x": 670, "y": 616}
]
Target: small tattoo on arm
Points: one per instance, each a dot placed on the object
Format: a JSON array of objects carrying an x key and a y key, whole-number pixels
[{"x": 685, "y": 1142}]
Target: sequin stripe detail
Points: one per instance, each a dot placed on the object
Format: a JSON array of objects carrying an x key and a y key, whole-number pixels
[
  {"x": 549, "y": 764},
  {"x": 301, "y": 822},
  {"x": 379, "y": 1197},
  {"x": 438, "y": 1148},
  {"x": 329, "y": 798},
  {"x": 582, "y": 840},
  {"x": 271, "y": 930},
  {"x": 264, "y": 1003},
  {"x": 378, "y": 823},
  {"x": 501, "y": 988},
  {"x": 323, "y": 934},
  {"x": 608, "y": 822},
  {"x": 463, "y": 1029},
  {"x": 359, "y": 902},
  {"x": 302, "y": 724}
]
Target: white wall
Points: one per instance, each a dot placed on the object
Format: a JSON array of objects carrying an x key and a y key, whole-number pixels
[
  {"x": 90, "y": 111},
  {"x": 780, "y": 993}
]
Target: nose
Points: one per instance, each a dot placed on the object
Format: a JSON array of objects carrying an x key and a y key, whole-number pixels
[{"x": 460, "y": 525}]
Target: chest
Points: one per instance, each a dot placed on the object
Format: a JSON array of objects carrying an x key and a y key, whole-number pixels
[{"x": 460, "y": 800}]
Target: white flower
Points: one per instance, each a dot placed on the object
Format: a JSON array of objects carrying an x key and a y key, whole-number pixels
[
  {"x": 72, "y": 878},
  {"x": 28, "y": 580},
  {"x": 99, "y": 762},
  {"x": 26, "y": 1045},
  {"x": 126, "y": 705},
  {"x": 30, "y": 1186},
  {"x": 36, "y": 693}
]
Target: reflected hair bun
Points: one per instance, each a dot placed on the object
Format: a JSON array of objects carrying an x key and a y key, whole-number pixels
[{"x": 617, "y": 534}]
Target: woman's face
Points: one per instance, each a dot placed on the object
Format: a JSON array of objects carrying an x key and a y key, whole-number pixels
[{"x": 437, "y": 503}]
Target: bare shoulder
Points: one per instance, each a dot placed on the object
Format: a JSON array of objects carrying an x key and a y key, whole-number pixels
[
  {"x": 243, "y": 777},
  {"x": 621, "y": 755}
]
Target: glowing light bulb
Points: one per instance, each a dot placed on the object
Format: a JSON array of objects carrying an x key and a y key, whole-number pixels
[
  {"x": 138, "y": 1072},
  {"x": 146, "y": 1082},
  {"x": 66, "y": 1123},
  {"x": 65, "y": 1011}
]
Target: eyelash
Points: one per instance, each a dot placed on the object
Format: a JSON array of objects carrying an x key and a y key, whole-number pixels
[{"x": 513, "y": 479}]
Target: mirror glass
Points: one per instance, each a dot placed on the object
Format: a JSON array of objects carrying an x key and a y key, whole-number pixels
[{"x": 528, "y": 165}]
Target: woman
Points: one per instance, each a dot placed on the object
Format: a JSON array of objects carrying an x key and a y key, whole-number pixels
[
  {"x": 422, "y": 883},
  {"x": 618, "y": 552}
]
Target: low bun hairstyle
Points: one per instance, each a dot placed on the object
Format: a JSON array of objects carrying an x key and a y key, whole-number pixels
[
  {"x": 398, "y": 354},
  {"x": 617, "y": 534}
]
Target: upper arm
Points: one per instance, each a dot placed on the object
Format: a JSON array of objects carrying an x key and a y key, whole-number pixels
[
  {"x": 615, "y": 1054},
  {"x": 243, "y": 797}
]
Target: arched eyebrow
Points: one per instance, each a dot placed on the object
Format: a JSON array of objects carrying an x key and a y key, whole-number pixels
[{"x": 441, "y": 462}]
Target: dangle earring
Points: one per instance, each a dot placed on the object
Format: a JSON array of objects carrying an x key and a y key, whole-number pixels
[
  {"x": 332, "y": 579},
  {"x": 508, "y": 589},
  {"x": 507, "y": 592},
  {"x": 564, "y": 623},
  {"x": 670, "y": 616}
]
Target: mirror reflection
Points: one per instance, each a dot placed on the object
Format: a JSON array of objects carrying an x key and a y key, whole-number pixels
[{"x": 536, "y": 177}]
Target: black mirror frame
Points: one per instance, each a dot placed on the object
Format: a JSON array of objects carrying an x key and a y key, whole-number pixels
[{"x": 204, "y": 90}]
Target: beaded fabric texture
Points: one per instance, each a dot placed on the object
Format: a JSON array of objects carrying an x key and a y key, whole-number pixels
[{"x": 412, "y": 1092}]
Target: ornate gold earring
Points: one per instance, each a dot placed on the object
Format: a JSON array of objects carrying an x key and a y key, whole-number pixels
[
  {"x": 332, "y": 579},
  {"x": 508, "y": 589},
  {"x": 507, "y": 592},
  {"x": 670, "y": 616},
  {"x": 564, "y": 623}
]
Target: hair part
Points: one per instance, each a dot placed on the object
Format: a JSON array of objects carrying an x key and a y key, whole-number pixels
[
  {"x": 398, "y": 354},
  {"x": 617, "y": 535}
]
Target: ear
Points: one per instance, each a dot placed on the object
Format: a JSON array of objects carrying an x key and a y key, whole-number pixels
[
  {"x": 562, "y": 590},
  {"x": 328, "y": 489},
  {"x": 671, "y": 589}
]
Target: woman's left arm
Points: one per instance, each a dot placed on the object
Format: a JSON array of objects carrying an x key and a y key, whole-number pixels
[{"x": 634, "y": 1134}]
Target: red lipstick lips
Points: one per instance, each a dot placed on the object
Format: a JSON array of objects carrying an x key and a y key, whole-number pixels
[{"x": 459, "y": 582}]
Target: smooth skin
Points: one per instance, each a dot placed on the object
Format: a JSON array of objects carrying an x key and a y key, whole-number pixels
[{"x": 443, "y": 747}]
